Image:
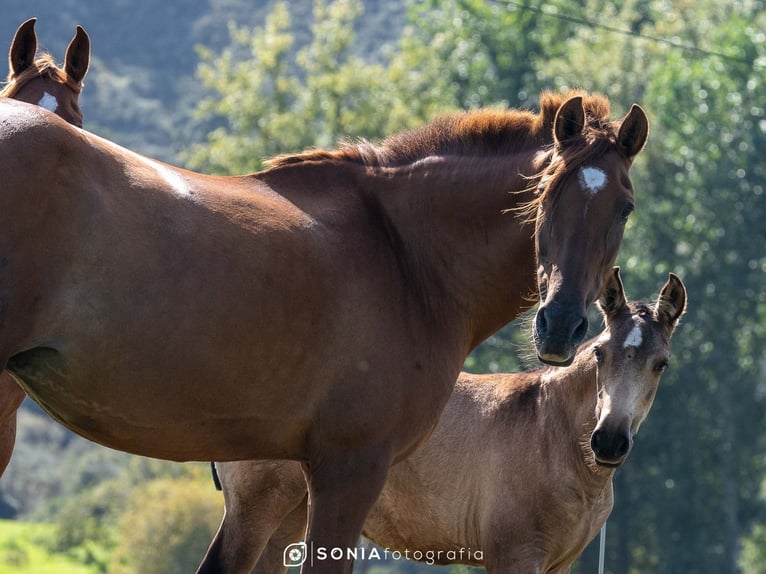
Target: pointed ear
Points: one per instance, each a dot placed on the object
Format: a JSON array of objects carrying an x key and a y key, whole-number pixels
[
  {"x": 77, "y": 57},
  {"x": 23, "y": 47},
  {"x": 570, "y": 119},
  {"x": 633, "y": 132},
  {"x": 671, "y": 303},
  {"x": 612, "y": 297}
]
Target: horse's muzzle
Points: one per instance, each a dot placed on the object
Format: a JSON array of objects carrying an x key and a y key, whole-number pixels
[
  {"x": 611, "y": 448},
  {"x": 558, "y": 332}
]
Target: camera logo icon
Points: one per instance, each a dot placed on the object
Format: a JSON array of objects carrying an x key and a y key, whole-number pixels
[{"x": 295, "y": 554}]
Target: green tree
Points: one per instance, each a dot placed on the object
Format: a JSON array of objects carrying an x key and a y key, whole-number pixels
[
  {"x": 166, "y": 527},
  {"x": 267, "y": 97}
]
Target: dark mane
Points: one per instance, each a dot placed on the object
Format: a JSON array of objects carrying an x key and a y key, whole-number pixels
[
  {"x": 485, "y": 132},
  {"x": 43, "y": 66}
]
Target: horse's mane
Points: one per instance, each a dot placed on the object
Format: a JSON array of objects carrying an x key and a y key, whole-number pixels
[
  {"x": 479, "y": 133},
  {"x": 43, "y": 66}
]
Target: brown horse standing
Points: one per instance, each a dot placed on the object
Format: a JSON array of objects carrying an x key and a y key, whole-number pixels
[
  {"x": 317, "y": 311},
  {"x": 517, "y": 475},
  {"x": 31, "y": 79},
  {"x": 37, "y": 80}
]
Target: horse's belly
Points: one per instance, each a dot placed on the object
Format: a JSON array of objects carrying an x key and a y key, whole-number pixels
[{"x": 154, "y": 426}]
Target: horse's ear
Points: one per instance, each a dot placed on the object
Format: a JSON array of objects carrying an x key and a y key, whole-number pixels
[
  {"x": 612, "y": 297},
  {"x": 23, "y": 47},
  {"x": 77, "y": 57},
  {"x": 634, "y": 131},
  {"x": 570, "y": 120},
  {"x": 671, "y": 303}
]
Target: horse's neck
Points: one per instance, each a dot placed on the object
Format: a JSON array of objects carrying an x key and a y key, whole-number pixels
[
  {"x": 465, "y": 242},
  {"x": 571, "y": 403}
]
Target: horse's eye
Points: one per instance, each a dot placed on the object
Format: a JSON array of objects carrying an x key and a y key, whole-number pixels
[
  {"x": 626, "y": 211},
  {"x": 661, "y": 366},
  {"x": 599, "y": 355}
]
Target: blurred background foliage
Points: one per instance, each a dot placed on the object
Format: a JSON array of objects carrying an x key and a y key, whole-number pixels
[{"x": 220, "y": 85}]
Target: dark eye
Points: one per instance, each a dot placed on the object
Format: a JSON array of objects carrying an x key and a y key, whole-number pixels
[
  {"x": 626, "y": 211},
  {"x": 661, "y": 366},
  {"x": 598, "y": 354}
]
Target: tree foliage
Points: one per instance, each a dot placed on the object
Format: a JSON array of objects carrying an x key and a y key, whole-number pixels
[{"x": 166, "y": 528}]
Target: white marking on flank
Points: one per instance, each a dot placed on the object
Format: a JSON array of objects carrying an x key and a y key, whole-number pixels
[
  {"x": 634, "y": 338},
  {"x": 592, "y": 179},
  {"x": 48, "y": 102}
]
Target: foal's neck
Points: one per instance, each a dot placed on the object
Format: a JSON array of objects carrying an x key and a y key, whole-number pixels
[{"x": 572, "y": 390}]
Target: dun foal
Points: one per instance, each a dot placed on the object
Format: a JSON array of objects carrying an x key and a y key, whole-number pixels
[
  {"x": 38, "y": 81},
  {"x": 519, "y": 468}
]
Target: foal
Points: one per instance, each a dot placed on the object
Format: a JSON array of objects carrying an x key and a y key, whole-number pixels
[
  {"x": 38, "y": 81},
  {"x": 519, "y": 468}
]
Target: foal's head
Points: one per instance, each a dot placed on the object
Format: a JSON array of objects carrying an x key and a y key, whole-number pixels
[
  {"x": 585, "y": 198},
  {"x": 631, "y": 355},
  {"x": 39, "y": 81}
]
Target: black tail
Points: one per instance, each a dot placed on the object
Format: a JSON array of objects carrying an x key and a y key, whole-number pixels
[{"x": 216, "y": 480}]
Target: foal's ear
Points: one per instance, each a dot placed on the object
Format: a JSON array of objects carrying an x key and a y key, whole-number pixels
[
  {"x": 634, "y": 131},
  {"x": 612, "y": 298},
  {"x": 570, "y": 119},
  {"x": 23, "y": 47},
  {"x": 671, "y": 302},
  {"x": 77, "y": 57}
]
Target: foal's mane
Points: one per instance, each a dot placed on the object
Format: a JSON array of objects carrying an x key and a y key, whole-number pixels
[
  {"x": 486, "y": 132},
  {"x": 43, "y": 66}
]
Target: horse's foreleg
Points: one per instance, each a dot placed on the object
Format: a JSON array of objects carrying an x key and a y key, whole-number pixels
[
  {"x": 258, "y": 495},
  {"x": 342, "y": 489},
  {"x": 273, "y": 559}
]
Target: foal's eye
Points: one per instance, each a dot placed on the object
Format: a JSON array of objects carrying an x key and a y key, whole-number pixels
[
  {"x": 598, "y": 354},
  {"x": 626, "y": 211},
  {"x": 661, "y": 366}
]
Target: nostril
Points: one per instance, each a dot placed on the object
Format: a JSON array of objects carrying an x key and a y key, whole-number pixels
[
  {"x": 622, "y": 447},
  {"x": 541, "y": 322},
  {"x": 580, "y": 331},
  {"x": 596, "y": 440}
]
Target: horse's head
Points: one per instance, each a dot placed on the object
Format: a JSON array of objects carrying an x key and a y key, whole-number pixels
[
  {"x": 631, "y": 355},
  {"x": 585, "y": 198},
  {"x": 39, "y": 81}
]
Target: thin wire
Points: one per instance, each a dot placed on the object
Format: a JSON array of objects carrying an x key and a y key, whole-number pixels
[{"x": 624, "y": 32}]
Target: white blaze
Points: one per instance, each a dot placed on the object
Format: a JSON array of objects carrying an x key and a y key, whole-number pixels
[{"x": 48, "y": 102}]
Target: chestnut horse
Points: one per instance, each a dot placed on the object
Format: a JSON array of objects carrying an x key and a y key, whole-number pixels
[
  {"x": 518, "y": 470},
  {"x": 38, "y": 81},
  {"x": 319, "y": 310}
]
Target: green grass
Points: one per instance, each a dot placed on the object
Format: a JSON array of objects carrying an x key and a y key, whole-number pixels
[{"x": 25, "y": 549}]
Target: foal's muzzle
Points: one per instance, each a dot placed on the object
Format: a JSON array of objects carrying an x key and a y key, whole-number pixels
[
  {"x": 558, "y": 332},
  {"x": 610, "y": 447}
]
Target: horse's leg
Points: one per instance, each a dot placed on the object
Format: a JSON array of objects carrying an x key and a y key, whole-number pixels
[
  {"x": 292, "y": 530},
  {"x": 257, "y": 496},
  {"x": 343, "y": 486},
  {"x": 11, "y": 397}
]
